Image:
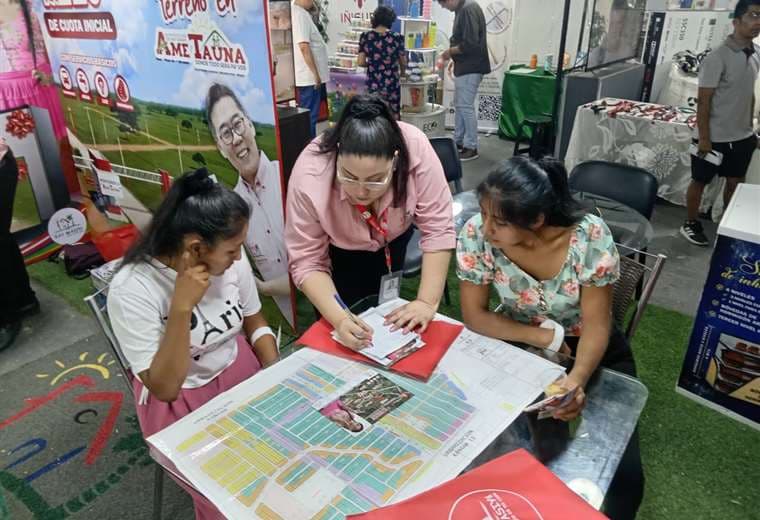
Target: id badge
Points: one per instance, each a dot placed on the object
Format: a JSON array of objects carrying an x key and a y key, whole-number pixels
[{"x": 390, "y": 287}]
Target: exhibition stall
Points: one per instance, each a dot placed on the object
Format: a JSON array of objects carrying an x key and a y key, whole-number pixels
[{"x": 445, "y": 419}]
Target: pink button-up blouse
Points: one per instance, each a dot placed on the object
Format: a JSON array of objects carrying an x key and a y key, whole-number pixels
[{"x": 319, "y": 213}]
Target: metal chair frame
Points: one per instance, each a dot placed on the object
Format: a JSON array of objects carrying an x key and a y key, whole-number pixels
[
  {"x": 634, "y": 273},
  {"x": 97, "y": 304}
]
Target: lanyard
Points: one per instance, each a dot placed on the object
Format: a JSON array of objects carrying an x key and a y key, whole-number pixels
[{"x": 380, "y": 226}]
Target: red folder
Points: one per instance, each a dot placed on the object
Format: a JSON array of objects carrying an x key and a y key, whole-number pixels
[
  {"x": 514, "y": 486},
  {"x": 420, "y": 365}
]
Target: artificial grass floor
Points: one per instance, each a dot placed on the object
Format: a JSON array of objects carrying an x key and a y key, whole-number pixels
[{"x": 698, "y": 463}]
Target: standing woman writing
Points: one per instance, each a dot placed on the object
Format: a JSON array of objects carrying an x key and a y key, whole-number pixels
[{"x": 353, "y": 197}]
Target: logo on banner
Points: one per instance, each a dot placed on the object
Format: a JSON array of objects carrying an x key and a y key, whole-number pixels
[
  {"x": 67, "y": 86},
  {"x": 67, "y": 226},
  {"x": 206, "y": 49},
  {"x": 83, "y": 84},
  {"x": 101, "y": 86},
  {"x": 498, "y": 17},
  {"x": 123, "y": 95},
  {"x": 494, "y": 504}
]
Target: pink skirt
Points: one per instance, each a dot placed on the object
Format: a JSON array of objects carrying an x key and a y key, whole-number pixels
[
  {"x": 19, "y": 88},
  {"x": 157, "y": 415}
]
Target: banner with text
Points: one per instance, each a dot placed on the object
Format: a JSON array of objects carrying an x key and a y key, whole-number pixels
[{"x": 134, "y": 76}]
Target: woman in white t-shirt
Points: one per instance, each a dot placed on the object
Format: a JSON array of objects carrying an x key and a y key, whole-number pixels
[{"x": 184, "y": 307}]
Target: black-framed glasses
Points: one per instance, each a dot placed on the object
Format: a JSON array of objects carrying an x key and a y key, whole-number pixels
[{"x": 238, "y": 126}]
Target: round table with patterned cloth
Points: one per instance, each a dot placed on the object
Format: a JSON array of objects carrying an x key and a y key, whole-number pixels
[{"x": 638, "y": 138}]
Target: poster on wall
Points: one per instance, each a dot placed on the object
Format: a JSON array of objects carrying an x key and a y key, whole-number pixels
[
  {"x": 134, "y": 77},
  {"x": 675, "y": 31},
  {"x": 721, "y": 368}
]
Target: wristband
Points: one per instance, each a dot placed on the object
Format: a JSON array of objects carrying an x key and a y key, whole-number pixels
[
  {"x": 559, "y": 334},
  {"x": 259, "y": 333}
]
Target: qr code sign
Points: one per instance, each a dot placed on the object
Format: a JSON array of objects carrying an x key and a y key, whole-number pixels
[{"x": 489, "y": 108}]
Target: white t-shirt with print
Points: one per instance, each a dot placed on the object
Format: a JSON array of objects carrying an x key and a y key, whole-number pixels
[
  {"x": 139, "y": 298},
  {"x": 304, "y": 31}
]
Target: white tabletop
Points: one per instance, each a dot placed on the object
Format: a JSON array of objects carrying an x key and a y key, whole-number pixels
[{"x": 742, "y": 219}]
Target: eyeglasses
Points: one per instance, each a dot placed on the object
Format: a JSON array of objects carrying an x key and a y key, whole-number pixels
[
  {"x": 369, "y": 185},
  {"x": 753, "y": 15},
  {"x": 239, "y": 126}
]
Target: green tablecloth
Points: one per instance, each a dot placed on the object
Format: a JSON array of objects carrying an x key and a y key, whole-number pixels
[{"x": 524, "y": 94}]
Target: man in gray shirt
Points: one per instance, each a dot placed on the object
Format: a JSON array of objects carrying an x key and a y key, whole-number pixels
[
  {"x": 469, "y": 51},
  {"x": 725, "y": 111}
]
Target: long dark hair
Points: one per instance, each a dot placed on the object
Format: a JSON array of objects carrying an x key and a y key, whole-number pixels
[
  {"x": 29, "y": 29},
  {"x": 195, "y": 204},
  {"x": 522, "y": 189},
  {"x": 367, "y": 128}
]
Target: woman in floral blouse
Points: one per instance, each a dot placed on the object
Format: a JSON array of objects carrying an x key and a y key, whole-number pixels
[
  {"x": 552, "y": 266},
  {"x": 382, "y": 52}
]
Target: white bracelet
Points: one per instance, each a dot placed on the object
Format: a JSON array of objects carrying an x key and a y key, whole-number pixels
[
  {"x": 259, "y": 333},
  {"x": 559, "y": 334}
]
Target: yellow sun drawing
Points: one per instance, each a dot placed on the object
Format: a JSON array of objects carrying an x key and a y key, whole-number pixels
[{"x": 101, "y": 367}]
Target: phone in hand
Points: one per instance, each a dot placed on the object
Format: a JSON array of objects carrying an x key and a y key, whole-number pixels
[{"x": 713, "y": 156}]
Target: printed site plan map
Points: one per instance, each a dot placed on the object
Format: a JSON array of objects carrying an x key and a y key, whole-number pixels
[{"x": 320, "y": 437}]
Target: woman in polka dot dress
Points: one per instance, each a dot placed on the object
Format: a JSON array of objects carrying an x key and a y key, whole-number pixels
[{"x": 382, "y": 52}]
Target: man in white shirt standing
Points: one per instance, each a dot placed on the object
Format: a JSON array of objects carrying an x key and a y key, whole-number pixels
[
  {"x": 260, "y": 185},
  {"x": 309, "y": 59}
]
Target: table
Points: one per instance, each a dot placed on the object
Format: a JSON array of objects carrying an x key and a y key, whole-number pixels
[
  {"x": 629, "y": 227},
  {"x": 614, "y": 404},
  {"x": 660, "y": 147},
  {"x": 524, "y": 92}
]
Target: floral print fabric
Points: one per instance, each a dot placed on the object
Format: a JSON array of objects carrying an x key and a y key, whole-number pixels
[
  {"x": 592, "y": 260},
  {"x": 383, "y": 51}
]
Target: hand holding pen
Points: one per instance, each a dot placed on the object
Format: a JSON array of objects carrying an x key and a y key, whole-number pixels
[{"x": 353, "y": 332}]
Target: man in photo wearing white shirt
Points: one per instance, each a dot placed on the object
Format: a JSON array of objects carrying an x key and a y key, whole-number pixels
[
  {"x": 309, "y": 59},
  {"x": 259, "y": 183}
]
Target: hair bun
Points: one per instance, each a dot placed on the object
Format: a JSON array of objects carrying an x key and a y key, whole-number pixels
[{"x": 198, "y": 182}]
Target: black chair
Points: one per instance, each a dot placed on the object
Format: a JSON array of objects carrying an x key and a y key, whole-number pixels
[
  {"x": 632, "y": 186},
  {"x": 540, "y": 127},
  {"x": 447, "y": 153}
]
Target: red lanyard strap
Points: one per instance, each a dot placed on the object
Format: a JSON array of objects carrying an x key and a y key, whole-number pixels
[{"x": 380, "y": 226}]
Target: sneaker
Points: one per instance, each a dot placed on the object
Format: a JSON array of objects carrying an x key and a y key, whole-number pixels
[
  {"x": 460, "y": 148},
  {"x": 468, "y": 154},
  {"x": 8, "y": 334},
  {"x": 693, "y": 232}
]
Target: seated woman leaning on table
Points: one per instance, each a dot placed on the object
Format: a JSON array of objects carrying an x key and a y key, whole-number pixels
[
  {"x": 552, "y": 266},
  {"x": 181, "y": 300},
  {"x": 353, "y": 197}
]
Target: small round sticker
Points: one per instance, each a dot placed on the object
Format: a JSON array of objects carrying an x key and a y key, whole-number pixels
[{"x": 67, "y": 226}]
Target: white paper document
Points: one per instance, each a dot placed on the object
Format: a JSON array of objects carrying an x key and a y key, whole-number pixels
[
  {"x": 317, "y": 436},
  {"x": 387, "y": 346}
]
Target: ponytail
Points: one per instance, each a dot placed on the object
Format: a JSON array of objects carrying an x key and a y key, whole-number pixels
[
  {"x": 194, "y": 204},
  {"x": 368, "y": 128}
]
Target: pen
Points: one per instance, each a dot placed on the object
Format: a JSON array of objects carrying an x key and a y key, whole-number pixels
[{"x": 350, "y": 314}]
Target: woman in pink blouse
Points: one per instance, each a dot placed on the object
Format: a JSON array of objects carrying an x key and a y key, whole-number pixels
[{"x": 353, "y": 197}]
